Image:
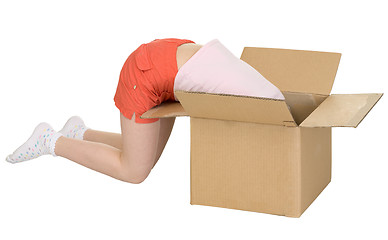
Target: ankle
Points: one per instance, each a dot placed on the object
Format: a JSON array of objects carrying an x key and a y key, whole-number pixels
[
  {"x": 53, "y": 143},
  {"x": 87, "y": 135}
]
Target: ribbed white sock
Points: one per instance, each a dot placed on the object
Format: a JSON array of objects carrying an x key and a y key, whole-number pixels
[
  {"x": 41, "y": 142},
  {"x": 74, "y": 128}
]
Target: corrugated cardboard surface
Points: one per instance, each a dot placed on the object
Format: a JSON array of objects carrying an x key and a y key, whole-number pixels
[
  {"x": 303, "y": 104},
  {"x": 256, "y": 167},
  {"x": 237, "y": 108},
  {"x": 342, "y": 110},
  {"x": 243, "y": 166},
  {"x": 315, "y": 170},
  {"x": 165, "y": 110},
  {"x": 295, "y": 70}
]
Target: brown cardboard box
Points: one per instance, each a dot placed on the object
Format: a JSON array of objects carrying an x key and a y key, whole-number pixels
[{"x": 265, "y": 155}]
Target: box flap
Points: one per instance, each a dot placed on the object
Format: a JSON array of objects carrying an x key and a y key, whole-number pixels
[
  {"x": 236, "y": 108},
  {"x": 342, "y": 110},
  {"x": 295, "y": 70},
  {"x": 165, "y": 110},
  {"x": 303, "y": 104}
]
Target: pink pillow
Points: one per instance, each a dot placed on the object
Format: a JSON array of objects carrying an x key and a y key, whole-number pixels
[{"x": 214, "y": 69}]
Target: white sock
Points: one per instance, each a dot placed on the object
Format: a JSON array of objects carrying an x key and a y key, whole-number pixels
[
  {"x": 41, "y": 142},
  {"x": 74, "y": 128}
]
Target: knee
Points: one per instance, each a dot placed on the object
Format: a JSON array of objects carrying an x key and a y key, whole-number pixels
[
  {"x": 134, "y": 179},
  {"x": 135, "y": 176}
]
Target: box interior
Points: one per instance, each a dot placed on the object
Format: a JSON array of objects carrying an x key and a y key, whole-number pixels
[{"x": 302, "y": 104}]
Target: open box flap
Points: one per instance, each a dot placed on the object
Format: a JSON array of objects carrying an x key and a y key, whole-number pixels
[
  {"x": 342, "y": 110},
  {"x": 236, "y": 108},
  {"x": 303, "y": 104},
  {"x": 165, "y": 110},
  {"x": 295, "y": 70}
]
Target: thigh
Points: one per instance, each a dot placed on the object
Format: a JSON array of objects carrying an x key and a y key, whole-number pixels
[
  {"x": 166, "y": 125},
  {"x": 139, "y": 145}
]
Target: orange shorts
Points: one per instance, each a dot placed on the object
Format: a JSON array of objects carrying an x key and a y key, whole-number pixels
[{"x": 147, "y": 78}]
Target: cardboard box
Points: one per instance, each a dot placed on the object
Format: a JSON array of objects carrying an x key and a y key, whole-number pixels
[{"x": 266, "y": 155}]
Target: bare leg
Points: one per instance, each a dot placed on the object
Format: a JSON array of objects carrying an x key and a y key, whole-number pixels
[
  {"x": 115, "y": 139},
  {"x": 131, "y": 164},
  {"x": 166, "y": 125}
]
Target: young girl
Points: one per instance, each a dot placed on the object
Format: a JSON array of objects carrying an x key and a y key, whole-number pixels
[{"x": 149, "y": 77}]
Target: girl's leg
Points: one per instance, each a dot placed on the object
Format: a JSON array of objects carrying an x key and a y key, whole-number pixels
[
  {"x": 115, "y": 139},
  {"x": 166, "y": 125},
  {"x": 131, "y": 164}
]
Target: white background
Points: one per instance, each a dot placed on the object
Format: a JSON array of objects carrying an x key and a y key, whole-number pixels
[{"x": 63, "y": 58}]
